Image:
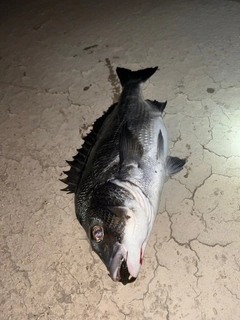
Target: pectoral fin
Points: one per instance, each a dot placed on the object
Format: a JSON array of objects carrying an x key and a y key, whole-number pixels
[
  {"x": 174, "y": 165},
  {"x": 160, "y": 146}
]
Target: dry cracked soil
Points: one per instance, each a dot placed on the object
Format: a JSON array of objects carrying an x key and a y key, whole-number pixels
[{"x": 57, "y": 66}]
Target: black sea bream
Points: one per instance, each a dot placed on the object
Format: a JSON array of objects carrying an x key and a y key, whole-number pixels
[{"x": 118, "y": 175}]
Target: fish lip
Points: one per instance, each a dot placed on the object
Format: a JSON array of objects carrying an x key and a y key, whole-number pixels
[{"x": 118, "y": 265}]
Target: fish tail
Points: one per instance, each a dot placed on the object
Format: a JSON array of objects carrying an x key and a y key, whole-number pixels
[{"x": 127, "y": 76}]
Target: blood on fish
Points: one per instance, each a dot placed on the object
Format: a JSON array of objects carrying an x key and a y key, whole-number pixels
[{"x": 141, "y": 257}]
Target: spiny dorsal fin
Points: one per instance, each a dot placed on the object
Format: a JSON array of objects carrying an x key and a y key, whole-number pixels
[{"x": 80, "y": 159}]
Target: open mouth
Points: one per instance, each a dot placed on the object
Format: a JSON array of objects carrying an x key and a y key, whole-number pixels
[
  {"x": 123, "y": 273},
  {"x": 118, "y": 267}
]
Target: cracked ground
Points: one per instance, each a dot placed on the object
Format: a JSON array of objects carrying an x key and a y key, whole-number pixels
[{"x": 57, "y": 65}]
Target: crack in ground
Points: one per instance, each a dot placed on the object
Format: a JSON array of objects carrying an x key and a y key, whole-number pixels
[
  {"x": 233, "y": 294},
  {"x": 196, "y": 263},
  {"x": 191, "y": 100},
  {"x": 235, "y": 260},
  {"x": 119, "y": 309},
  {"x": 24, "y": 87},
  {"x": 167, "y": 308},
  {"x": 199, "y": 186},
  {"x": 69, "y": 272},
  {"x": 154, "y": 273},
  {"x": 188, "y": 244},
  {"x": 180, "y": 182},
  {"x": 210, "y": 128},
  {"x": 158, "y": 263},
  {"x": 68, "y": 93},
  {"x": 227, "y": 221},
  {"x": 179, "y": 138},
  {"x": 224, "y": 113},
  {"x": 218, "y": 155},
  {"x": 215, "y": 244}
]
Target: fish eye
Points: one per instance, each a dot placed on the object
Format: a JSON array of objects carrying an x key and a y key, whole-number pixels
[{"x": 97, "y": 233}]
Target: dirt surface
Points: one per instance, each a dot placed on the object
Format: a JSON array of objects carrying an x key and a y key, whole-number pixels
[{"x": 57, "y": 66}]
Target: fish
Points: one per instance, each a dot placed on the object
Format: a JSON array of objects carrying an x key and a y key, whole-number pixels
[{"x": 118, "y": 176}]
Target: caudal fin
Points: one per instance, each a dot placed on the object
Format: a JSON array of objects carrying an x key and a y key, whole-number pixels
[{"x": 126, "y": 76}]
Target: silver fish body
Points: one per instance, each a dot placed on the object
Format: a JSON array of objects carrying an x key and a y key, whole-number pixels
[{"x": 118, "y": 177}]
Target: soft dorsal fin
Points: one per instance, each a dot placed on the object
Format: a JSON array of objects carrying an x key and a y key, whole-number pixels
[
  {"x": 80, "y": 159},
  {"x": 160, "y": 105}
]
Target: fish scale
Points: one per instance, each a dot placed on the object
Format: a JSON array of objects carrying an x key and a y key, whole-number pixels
[{"x": 118, "y": 176}]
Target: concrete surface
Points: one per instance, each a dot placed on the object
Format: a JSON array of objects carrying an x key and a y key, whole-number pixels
[{"x": 57, "y": 64}]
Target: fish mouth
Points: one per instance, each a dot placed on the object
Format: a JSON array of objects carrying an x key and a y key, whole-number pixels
[
  {"x": 118, "y": 266},
  {"x": 125, "y": 276}
]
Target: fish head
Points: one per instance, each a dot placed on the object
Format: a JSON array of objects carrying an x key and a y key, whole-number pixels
[
  {"x": 120, "y": 239},
  {"x": 103, "y": 240},
  {"x": 106, "y": 231},
  {"x": 128, "y": 256}
]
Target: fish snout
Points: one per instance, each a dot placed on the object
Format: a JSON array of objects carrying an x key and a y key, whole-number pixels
[{"x": 118, "y": 266}]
